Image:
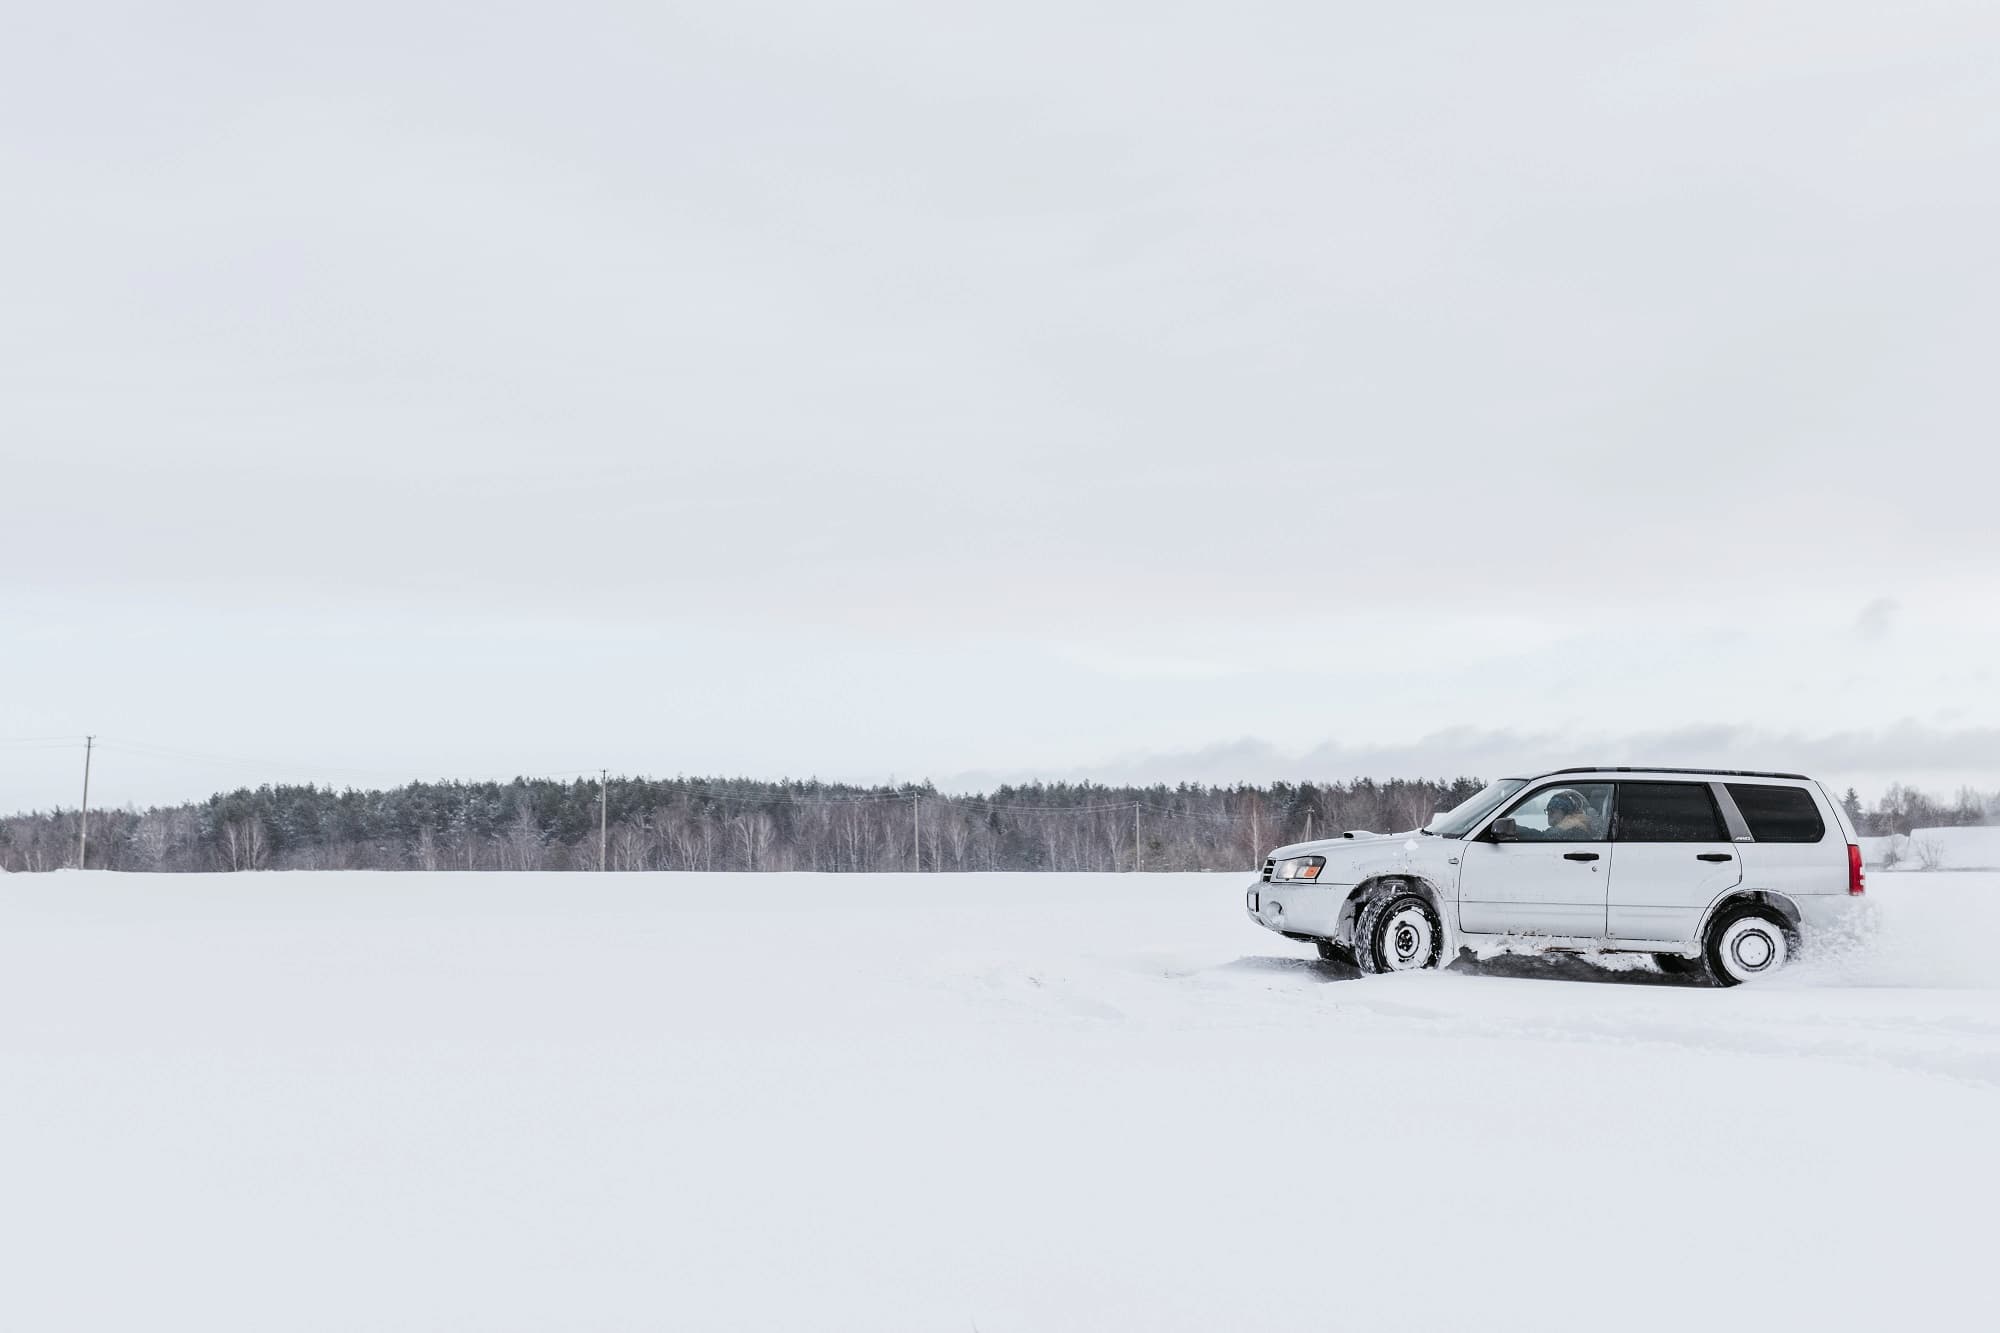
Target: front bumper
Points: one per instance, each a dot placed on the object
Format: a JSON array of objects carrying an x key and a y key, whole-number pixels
[{"x": 1297, "y": 908}]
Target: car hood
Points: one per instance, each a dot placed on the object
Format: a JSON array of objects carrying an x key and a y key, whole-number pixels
[{"x": 1346, "y": 842}]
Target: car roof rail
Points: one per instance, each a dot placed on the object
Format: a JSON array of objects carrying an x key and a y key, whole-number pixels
[{"x": 1676, "y": 768}]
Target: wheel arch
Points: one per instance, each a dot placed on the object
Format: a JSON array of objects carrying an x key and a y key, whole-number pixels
[
  {"x": 1350, "y": 910},
  {"x": 1787, "y": 910}
]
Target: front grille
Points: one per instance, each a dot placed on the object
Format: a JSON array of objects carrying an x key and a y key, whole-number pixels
[{"x": 1270, "y": 864}]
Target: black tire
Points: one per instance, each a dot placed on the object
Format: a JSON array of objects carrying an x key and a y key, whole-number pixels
[
  {"x": 1724, "y": 955},
  {"x": 1398, "y": 931},
  {"x": 1332, "y": 951}
]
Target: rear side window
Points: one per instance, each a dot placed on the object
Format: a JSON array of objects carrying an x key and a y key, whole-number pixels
[
  {"x": 1668, "y": 812},
  {"x": 1778, "y": 814}
]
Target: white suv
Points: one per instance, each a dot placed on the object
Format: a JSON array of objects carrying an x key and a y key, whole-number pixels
[{"x": 1714, "y": 872}]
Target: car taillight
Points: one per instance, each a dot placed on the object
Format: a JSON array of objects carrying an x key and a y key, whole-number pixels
[{"x": 1854, "y": 876}]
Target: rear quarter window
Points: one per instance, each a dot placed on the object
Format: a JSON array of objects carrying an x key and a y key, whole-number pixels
[{"x": 1779, "y": 814}]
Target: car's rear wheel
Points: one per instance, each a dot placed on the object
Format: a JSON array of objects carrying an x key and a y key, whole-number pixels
[
  {"x": 1398, "y": 931},
  {"x": 1746, "y": 943}
]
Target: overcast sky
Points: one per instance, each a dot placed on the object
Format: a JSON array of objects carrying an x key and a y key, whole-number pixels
[{"x": 874, "y": 390}]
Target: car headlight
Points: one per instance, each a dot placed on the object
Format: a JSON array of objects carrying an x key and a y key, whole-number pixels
[{"x": 1297, "y": 867}]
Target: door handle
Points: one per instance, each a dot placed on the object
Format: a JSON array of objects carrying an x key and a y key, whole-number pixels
[
  {"x": 1579, "y": 856},
  {"x": 1713, "y": 856}
]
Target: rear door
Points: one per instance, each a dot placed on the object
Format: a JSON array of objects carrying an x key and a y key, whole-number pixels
[
  {"x": 1675, "y": 856},
  {"x": 1548, "y": 879}
]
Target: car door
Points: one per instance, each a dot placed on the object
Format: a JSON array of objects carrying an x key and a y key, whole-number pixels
[
  {"x": 1541, "y": 874},
  {"x": 1675, "y": 857}
]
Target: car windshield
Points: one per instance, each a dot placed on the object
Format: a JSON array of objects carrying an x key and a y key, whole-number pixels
[{"x": 1454, "y": 822}]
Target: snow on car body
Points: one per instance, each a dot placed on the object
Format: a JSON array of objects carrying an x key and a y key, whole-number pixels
[{"x": 1723, "y": 871}]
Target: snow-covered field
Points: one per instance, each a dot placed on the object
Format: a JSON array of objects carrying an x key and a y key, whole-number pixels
[
  {"x": 1002, "y": 1102},
  {"x": 1952, "y": 848}
]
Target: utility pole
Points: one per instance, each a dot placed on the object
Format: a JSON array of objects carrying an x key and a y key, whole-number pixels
[
  {"x": 1136, "y": 844},
  {"x": 1309, "y": 824},
  {"x": 917, "y": 831},
  {"x": 604, "y": 819},
  {"x": 83, "y": 814}
]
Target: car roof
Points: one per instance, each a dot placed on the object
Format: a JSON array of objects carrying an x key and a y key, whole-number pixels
[{"x": 1674, "y": 768}]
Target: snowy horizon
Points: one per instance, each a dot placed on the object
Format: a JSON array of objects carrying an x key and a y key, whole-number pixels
[{"x": 129, "y": 773}]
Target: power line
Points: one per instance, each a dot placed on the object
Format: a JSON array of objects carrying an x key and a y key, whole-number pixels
[
  {"x": 152, "y": 750},
  {"x": 983, "y": 804},
  {"x": 147, "y": 749},
  {"x": 761, "y": 798}
]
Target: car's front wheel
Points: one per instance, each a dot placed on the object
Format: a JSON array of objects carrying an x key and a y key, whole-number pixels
[{"x": 1398, "y": 931}]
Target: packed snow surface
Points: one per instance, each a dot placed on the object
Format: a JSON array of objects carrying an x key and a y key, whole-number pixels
[{"x": 993, "y": 1102}]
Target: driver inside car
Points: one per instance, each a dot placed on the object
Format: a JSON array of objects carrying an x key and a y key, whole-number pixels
[{"x": 1569, "y": 818}]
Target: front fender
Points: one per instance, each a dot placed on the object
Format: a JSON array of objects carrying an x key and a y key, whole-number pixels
[
  {"x": 1440, "y": 900},
  {"x": 1414, "y": 857}
]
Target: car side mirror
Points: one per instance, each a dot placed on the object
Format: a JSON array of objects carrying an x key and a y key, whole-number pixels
[{"x": 1503, "y": 830}]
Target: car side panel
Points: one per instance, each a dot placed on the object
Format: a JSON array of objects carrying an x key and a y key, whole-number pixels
[
  {"x": 1540, "y": 888},
  {"x": 1801, "y": 869},
  {"x": 1661, "y": 890}
]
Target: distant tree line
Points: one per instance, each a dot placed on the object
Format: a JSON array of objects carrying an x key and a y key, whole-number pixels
[
  {"x": 738, "y": 824},
  {"x": 1902, "y": 809},
  {"x": 719, "y": 824}
]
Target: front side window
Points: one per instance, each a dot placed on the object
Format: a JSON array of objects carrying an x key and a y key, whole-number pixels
[
  {"x": 1668, "y": 812},
  {"x": 1578, "y": 813},
  {"x": 1778, "y": 814},
  {"x": 1470, "y": 811}
]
